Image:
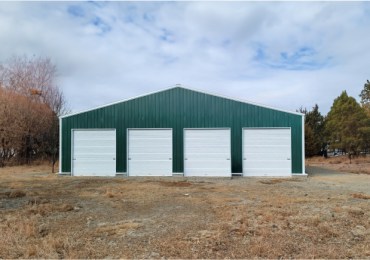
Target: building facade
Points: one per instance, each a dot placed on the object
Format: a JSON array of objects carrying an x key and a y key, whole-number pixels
[{"x": 179, "y": 131}]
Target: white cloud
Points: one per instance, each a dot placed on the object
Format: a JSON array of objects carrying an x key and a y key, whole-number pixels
[{"x": 283, "y": 54}]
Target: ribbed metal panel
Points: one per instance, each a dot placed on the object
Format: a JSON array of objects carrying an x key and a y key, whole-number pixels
[{"x": 180, "y": 108}]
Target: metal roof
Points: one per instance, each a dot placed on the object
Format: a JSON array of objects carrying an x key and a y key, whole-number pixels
[{"x": 192, "y": 89}]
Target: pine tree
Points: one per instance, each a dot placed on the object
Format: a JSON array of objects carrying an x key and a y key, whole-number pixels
[
  {"x": 344, "y": 122},
  {"x": 314, "y": 131},
  {"x": 365, "y": 97}
]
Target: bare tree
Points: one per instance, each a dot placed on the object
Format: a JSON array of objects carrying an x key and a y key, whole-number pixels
[{"x": 31, "y": 84}]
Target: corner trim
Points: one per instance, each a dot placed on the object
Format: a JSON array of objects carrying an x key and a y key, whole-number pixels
[{"x": 60, "y": 145}]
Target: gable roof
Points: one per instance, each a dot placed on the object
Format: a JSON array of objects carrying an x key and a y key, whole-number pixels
[{"x": 186, "y": 88}]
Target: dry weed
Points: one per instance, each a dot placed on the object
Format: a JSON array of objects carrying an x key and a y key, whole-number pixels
[
  {"x": 118, "y": 228},
  {"x": 48, "y": 208},
  {"x": 360, "y": 196},
  {"x": 337, "y": 160},
  {"x": 110, "y": 193},
  {"x": 153, "y": 218},
  {"x": 17, "y": 194},
  {"x": 272, "y": 181},
  {"x": 175, "y": 183},
  {"x": 359, "y": 165}
]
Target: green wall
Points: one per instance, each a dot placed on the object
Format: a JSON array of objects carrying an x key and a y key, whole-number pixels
[{"x": 180, "y": 108}]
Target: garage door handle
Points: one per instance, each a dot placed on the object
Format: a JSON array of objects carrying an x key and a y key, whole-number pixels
[
  {"x": 244, "y": 158},
  {"x": 74, "y": 159},
  {"x": 129, "y": 158},
  {"x": 228, "y": 159},
  {"x": 169, "y": 158},
  {"x": 114, "y": 159},
  {"x": 186, "y": 158},
  {"x": 288, "y": 159}
]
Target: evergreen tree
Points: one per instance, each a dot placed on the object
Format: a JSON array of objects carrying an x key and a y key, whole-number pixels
[
  {"x": 316, "y": 122},
  {"x": 314, "y": 131},
  {"x": 365, "y": 97},
  {"x": 345, "y": 123}
]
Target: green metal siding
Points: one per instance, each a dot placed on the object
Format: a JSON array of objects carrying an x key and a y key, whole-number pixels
[{"x": 180, "y": 108}]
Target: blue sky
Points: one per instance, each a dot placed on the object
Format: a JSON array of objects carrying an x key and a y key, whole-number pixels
[{"x": 282, "y": 54}]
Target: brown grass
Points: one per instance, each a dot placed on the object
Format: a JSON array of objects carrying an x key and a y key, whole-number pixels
[
  {"x": 175, "y": 184},
  {"x": 48, "y": 208},
  {"x": 118, "y": 228},
  {"x": 17, "y": 194},
  {"x": 361, "y": 196},
  {"x": 65, "y": 217},
  {"x": 358, "y": 165}
]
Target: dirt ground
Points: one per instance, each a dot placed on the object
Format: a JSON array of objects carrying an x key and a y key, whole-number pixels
[
  {"x": 342, "y": 163},
  {"x": 42, "y": 215}
]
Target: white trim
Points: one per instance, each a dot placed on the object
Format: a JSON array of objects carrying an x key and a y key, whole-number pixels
[
  {"x": 118, "y": 102},
  {"x": 303, "y": 147},
  {"x": 243, "y": 101},
  {"x": 72, "y": 146},
  {"x": 60, "y": 146},
  {"x": 127, "y": 145},
  {"x": 179, "y": 86},
  {"x": 206, "y": 128},
  {"x": 90, "y": 129},
  {"x": 299, "y": 174}
]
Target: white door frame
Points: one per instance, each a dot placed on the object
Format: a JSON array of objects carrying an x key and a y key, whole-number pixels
[
  {"x": 291, "y": 159},
  {"x": 127, "y": 145},
  {"x": 208, "y": 128},
  {"x": 90, "y": 129}
]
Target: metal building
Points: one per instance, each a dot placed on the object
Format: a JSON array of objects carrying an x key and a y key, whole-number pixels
[{"x": 179, "y": 131}]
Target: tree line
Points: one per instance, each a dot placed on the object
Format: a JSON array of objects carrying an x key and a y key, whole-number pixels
[
  {"x": 30, "y": 105},
  {"x": 346, "y": 128}
]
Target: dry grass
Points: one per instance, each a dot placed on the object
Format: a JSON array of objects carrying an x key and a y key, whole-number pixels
[
  {"x": 278, "y": 180},
  {"x": 64, "y": 217},
  {"x": 359, "y": 165},
  {"x": 17, "y": 194},
  {"x": 361, "y": 196}
]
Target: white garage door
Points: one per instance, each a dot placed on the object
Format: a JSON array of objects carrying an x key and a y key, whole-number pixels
[
  {"x": 267, "y": 152},
  {"x": 207, "y": 152},
  {"x": 150, "y": 152},
  {"x": 94, "y": 153}
]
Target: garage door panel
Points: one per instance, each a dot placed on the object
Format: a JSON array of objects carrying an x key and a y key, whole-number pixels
[
  {"x": 153, "y": 141},
  {"x": 146, "y": 132},
  {"x": 98, "y": 144},
  {"x": 266, "y": 132},
  {"x": 206, "y": 156},
  {"x": 151, "y": 157},
  {"x": 268, "y": 149},
  {"x": 150, "y": 152},
  {"x": 266, "y": 156},
  {"x": 207, "y": 152},
  {"x": 212, "y": 172},
  {"x": 94, "y": 153},
  {"x": 156, "y": 169},
  {"x": 269, "y": 172},
  {"x": 154, "y": 166},
  {"x": 212, "y": 164},
  {"x": 199, "y": 133},
  {"x": 267, "y": 142},
  {"x": 151, "y": 149},
  {"x": 267, "y": 152},
  {"x": 94, "y": 149},
  {"x": 271, "y": 164},
  {"x": 94, "y": 157}
]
